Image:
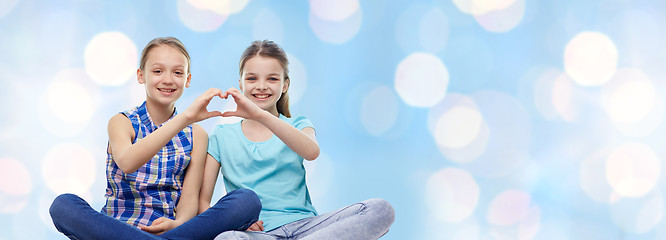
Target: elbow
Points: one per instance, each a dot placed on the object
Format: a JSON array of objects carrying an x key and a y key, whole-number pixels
[
  {"x": 128, "y": 170},
  {"x": 312, "y": 155},
  {"x": 125, "y": 167}
]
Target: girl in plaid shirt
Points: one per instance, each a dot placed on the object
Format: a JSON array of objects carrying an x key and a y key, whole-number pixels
[{"x": 155, "y": 165}]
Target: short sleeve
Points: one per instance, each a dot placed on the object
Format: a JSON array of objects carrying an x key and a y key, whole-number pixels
[
  {"x": 214, "y": 143},
  {"x": 301, "y": 122}
]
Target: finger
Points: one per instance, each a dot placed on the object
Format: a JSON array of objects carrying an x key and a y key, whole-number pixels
[
  {"x": 252, "y": 228},
  {"x": 234, "y": 92},
  {"x": 230, "y": 114},
  {"x": 208, "y": 95},
  {"x": 154, "y": 228},
  {"x": 223, "y": 94},
  {"x": 214, "y": 114},
  {"x": 261, "y": 225}
]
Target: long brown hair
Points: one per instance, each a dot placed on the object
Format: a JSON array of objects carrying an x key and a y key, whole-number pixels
[
  {"x": 169, "y": 41},
  {"x": 267, "y": 48}
]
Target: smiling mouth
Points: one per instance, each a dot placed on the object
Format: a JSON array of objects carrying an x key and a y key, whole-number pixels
[
  {"x": 166, "y": 90},
  {"x": 262, "y": 96}
]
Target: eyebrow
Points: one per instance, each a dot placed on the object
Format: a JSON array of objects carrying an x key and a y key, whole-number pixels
[
  {"x": 162, "y": 65},
  {"x": 270, "y": 74}
]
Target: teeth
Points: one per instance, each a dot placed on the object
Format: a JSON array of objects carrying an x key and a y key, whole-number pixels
[
  {"x": 167, "y": 90},
  {"x": 261, "y": 96}
]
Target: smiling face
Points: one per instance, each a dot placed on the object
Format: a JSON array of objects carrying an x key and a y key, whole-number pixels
[
  {"x": 262, "y": 81},
  {"x": 164, "y": 75}
]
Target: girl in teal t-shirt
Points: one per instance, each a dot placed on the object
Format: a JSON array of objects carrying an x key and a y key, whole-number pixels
[{"x": 264, "y": 152}]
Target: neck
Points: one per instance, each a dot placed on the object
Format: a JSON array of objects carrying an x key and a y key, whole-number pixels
[
  {"x": 160, "y": 113},
  {"x": 274, "y": 112}
]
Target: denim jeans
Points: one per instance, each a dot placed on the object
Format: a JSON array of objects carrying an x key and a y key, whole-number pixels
[
  {"x": 369, "y": 219},
  {"x": 77, "y": 220}
]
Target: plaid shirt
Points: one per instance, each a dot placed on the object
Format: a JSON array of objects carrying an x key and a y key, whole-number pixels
[{"x": 154, "y": 189}]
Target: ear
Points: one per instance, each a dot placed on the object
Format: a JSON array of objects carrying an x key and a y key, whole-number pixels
[
  {"x": 285, "y": 87},
  {"x": 139, "y": 76},
  {"x": 187, "y": 83},
  {"x": 240, "y": 85}
]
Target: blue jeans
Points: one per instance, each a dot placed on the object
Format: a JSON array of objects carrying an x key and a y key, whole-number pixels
[
  {"x": 77, "y": 220},
  {"x": 370, "y": 219}
]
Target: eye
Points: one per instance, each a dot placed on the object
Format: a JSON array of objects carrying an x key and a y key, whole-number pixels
[
  {"x": 273, "y": 79},
  {"x": 251, "y": 78},
  {"x": 157, "y": 71},
  {"x": 178, "y": 72}
]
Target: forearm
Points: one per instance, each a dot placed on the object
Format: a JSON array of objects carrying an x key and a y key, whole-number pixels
[
  {"x": 211, "y": 170},
  {"x": 299, "y": 142},
  {"x": 139, "y": 153},
  {"x": 186, "y": 209}
]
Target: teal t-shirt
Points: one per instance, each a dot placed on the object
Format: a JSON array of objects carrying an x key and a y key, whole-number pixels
[{"x": 269, "y": 168}]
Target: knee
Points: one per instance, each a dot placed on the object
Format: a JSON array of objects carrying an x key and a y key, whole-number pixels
[
  {"x": 250, "y": 200},
  {"x": 248, "y": 196},
  {"x": 382, "y": 209},
  {"x": 59, "y": 207}
]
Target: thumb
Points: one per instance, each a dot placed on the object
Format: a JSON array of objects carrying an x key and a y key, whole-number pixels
[
  {"x": 230, "y": 114},
  {"x": 213, "y": 114}
]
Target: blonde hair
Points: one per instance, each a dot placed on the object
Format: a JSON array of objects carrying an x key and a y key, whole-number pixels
[
  {"x": 267, "y": 48},
  {"x": 169, "y": 41}
]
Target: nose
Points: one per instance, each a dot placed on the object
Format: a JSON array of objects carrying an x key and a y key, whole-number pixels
[
  {"x": 261, "y": 85},
  {"x": 168, "y": 79}
]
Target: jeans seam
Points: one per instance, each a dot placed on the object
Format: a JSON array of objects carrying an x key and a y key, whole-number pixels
[{"x": 324, "y": 220}]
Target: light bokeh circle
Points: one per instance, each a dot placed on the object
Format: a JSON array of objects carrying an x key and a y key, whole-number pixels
[
  {"x": 111, "y": 58},
  {"x": 202, "y": 17},
  {"x": 513, "y": 215},
  {"x": 336, "y": 32},
  {"x": 480, "y": 7},
  {"x": 458, "y": 127},
  {"x": 268, "y": 25},
  {"x": 590, "y": 58},
  {"x": 563, "y": 98},
  {"x": 509, "y": 129},
  {"x": 508, "y": 208},
  {"x": 543, "y": 93},
  {"x": 379, "y": 110},
  {"x": 69, "y": 168},
  {"x": 592, "y": 181},
  {"x": 221, "y": 7},
  {"x": 421, "y": 80},
  {"x": 633, "y": 169},
  {"x": 433, "y": 30},
  {"x": 14, "y": 177},
  {"x": 475, "y": 133},
  {"x": 452, "y": 194},
  {"x": 630, "y": 97},
  {"x": 70, "y": 98},
  {"x": 638, "y": 215},
  {"x": 334, "y": 11},
  {"x": 16, "y": 185},
  {"x": 504, "y": 19}
]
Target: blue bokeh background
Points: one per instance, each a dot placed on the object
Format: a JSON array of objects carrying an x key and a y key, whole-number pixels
[{"x": 545, "y": 122}]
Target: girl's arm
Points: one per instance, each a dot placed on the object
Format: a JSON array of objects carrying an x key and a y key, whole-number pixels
[
  {"x": 187, "y": 206},
  {"x": 210, "y": 173},
  {"x": 130, "y": 157},
  {"x": 304, "y": 143}
]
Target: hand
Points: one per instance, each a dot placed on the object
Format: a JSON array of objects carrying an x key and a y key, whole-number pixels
[
  {"x": 244, "y": 107},
  {"x": 256, "y": 226},
  {"x": 160, "y": 226},
  {"x": 197, "y": 110}
]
